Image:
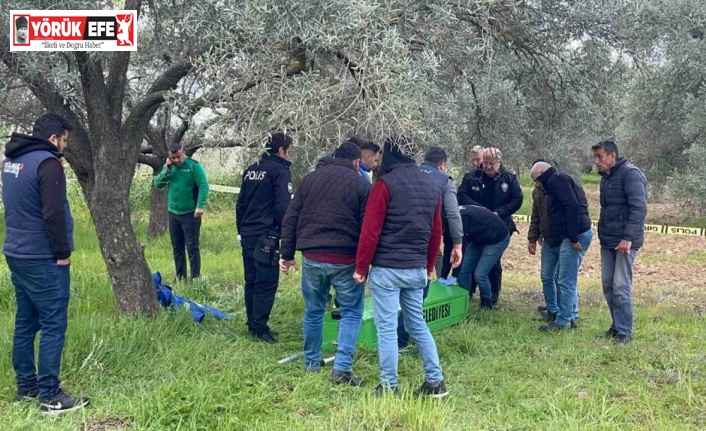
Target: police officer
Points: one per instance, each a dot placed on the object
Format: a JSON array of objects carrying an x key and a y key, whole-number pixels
[
  {"x": 262, "y": 203},
  {"x": 493, "y": 187}
]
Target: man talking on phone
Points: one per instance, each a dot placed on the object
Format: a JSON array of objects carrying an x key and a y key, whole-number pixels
[{"x": 186, "y": 200}]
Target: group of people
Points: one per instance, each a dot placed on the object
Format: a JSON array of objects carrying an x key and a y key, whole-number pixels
[
  {"x": 350, "y": 232},
  {"x": 390, "y": 236}
]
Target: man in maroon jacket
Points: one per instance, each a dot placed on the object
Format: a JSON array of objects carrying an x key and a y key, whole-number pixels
[{"x": 400, "y": 237}]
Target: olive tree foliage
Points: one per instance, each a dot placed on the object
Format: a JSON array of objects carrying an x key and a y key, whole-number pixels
[
  {"x": 662, "y": 123},
  {"x": 524, "y": 76}
]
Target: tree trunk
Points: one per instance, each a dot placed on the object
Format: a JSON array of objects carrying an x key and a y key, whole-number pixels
[
  {"x": 159, "y": 218},
  {"x": 123, "y": 254}
]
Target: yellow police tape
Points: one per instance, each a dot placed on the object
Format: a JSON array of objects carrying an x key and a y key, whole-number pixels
[{"x": 653, "y": 228}]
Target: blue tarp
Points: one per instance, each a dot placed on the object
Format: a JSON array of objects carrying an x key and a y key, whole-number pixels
[{"x": 167, "y": 298}]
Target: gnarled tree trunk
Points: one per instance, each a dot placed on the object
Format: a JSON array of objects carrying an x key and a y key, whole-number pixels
[
  {"x": 159, "y": 217},
  {"x": 123, "y": 254}
]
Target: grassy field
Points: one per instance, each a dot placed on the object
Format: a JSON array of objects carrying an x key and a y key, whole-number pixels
[{"x": 170, "y": 373}]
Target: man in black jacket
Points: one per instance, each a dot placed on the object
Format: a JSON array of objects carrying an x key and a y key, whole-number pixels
[
  {"x": 38, "y": 245},
  {"x": 621, "y": 233},
  {"x": 262, "y": 203},
  {"x": 493, "y": 187},
  {"x": 568, "y": 221},
  {"x": 323, "y": 222},
  {"x": 488, "y": 237}
]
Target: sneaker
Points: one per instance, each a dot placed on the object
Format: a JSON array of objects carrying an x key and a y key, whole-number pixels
[
  {"x": 61, "y": 403},
  {"x": 622, "y": 339},
  {"x": 435, "y": 391},
  {"x": 27, "y": 395},
  {"x": 266, "y": 337},
  {"x": 541, "y": 308},
  {"x": 552, "y": 326},
  {"x": 611, "y": 333},
  {"x": 345, "y": 378},
  {"x": 574, "y": 323},
  {"x": 381, "y": 391}
]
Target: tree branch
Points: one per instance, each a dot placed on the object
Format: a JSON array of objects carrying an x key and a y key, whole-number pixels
[
  {"x": 354, "y": 70},
  {"x": 80, "y": 156}
]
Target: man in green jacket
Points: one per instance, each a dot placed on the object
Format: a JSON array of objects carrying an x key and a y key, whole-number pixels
[{"x": 186, "y": 200}]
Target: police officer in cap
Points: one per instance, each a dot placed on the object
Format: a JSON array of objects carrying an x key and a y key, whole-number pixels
[
  {"x": 497, "y": 189},
  {"x": 262, "y": 203}
]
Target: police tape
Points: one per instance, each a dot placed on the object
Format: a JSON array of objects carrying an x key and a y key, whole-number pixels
[{"x": 652, "y": 228}]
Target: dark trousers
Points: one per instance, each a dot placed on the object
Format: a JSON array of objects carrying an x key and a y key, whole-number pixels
[
  {"x": 184, "y": 231},
  {"x": 402, "y": 334},
  {"x": 446, "y": 260},
  {"x": 261, "y": 280},
  {"x": 42, "y": 290}
]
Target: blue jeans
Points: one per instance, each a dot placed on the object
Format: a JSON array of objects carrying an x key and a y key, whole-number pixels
[
  {"x": 390, "y": 289},
  {"x": 478, "y": 260},
  {"x": 317, "y": 278},
  {"x": 616, "y": 276},
  {"x": 402, "y": 334},
  {"x": 567, "y": 282},
  {"x": 42, "y": 290},
  {"x": 549, "y": 274}
]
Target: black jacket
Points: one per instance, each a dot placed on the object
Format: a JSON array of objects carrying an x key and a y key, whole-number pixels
[
  {"x": 481, "y": 226},
  {"x": 623, "y": 205},
  {"x": 568, "y": 207},
  {"x": 507, "y": 199},
  {"x": 264, "y": 197},
  {"x": 327, "y": 211}
]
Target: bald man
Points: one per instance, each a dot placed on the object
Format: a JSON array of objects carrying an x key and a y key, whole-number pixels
[{"x": 568, "y": 221}]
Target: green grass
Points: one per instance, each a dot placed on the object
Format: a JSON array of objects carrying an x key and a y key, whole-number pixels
[{"x": 173, "y": 374}]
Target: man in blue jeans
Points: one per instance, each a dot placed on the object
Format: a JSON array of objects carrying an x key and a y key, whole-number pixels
[
  {"x": 38, "y": 245},
  {"x": 401, "y": 236},
  {"x": 540, "y": 233},
  {"x": 569, "y": 221},
  {"x": 621, "y": 233},
  {"x": 323, "y": 222},
  {"x": 487, "y": 236}
]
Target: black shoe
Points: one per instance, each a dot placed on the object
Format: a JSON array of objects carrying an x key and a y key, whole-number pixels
[
  {"x": 27, "y": 395},
  {"x": 345, "y": 378},
  {"x": 611, "y": 333},
  {"x": 487, "y": 304},
  {"x": 622, "y": 339},
  {"x": 547, "y": 316},
  {"x": 381, "y": 391},
  {"x": 574, "y": 323},
  {"x": 266, "y": 337},
  {"x": 541, "y": 308},
  {"x": 61, "y": 403},
  {"x": 435, "y": 391},
  {"x": 552, "y": 326}
]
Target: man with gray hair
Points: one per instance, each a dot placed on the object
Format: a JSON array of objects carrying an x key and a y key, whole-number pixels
[
  {"x": 621, "y": 233},
  {"x": 477, "y": 156},
  {"x": 569, "y": 222},
  {"x": 497, "y": 189}
]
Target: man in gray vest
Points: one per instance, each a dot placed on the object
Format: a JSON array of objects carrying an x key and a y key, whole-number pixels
[
  {"x": 38, "y": 244},
  {"x": 452, "y": 228},
  {"x": 621, "y": 233}
]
